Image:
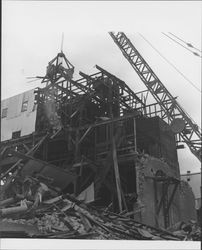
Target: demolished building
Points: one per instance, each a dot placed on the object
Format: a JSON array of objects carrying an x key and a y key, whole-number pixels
[{"x": 97, "y": 140}]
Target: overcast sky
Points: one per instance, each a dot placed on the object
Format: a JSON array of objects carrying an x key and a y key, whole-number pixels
[{"x": 32, "y": 31}]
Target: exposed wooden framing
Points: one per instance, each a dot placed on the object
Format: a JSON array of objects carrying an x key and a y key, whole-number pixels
[
  {"x": 85, "y": 134},
  {"x": 111, "y": 120},
  {"x": 27, "y": 154},
  {"x": 77, "y": 146},
  {"x": 135, "y": 136},
  {"x": 122, "y": 83},
  {"x": 26, "y": 157}
]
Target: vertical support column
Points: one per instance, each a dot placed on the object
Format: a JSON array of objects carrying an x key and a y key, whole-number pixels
[
  {"x": 116, "y": 170},
  {"x": 135, "y": 134},
  {"x": 113, "y": 147}
]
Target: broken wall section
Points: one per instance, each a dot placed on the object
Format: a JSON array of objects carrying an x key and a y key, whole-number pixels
[{"x": 150, "y": 209}]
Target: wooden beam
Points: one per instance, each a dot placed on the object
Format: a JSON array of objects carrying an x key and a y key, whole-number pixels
[
  {"x": 135, "y": 134},
  {"x": 84, "y": 135},
  {"x": 116, "y": 171}
]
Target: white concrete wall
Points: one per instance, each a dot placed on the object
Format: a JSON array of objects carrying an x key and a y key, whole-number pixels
[{"x": 16, "y": 119}]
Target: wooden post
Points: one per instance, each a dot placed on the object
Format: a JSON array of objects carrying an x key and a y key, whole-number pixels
[
  {"x": 116, "y": 170},
  {"x": 135, "y": 135},
  {"x": 77, "y": 146},
  {"x": 114, "y": 153}
]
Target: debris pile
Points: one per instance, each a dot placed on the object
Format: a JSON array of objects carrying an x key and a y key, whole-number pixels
[{"x": 66, "y": 217}]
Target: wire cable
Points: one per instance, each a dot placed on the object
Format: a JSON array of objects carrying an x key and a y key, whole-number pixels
[
  {"x": 33, "y": 81},
  {"x": 171, "y": 64},
  {"x": 62, "y": 41},
  {"x": 188, "y": 44},
  {"x": 196, "y": 54}
]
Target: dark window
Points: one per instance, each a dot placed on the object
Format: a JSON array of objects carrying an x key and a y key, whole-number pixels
[
  {"x": 24, "y": 106},
  {"x": 4, "y": 113},
  {"x": 16, "y": 134}
]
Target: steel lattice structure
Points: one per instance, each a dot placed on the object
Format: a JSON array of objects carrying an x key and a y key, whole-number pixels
[{"x": 191, "y": 135}]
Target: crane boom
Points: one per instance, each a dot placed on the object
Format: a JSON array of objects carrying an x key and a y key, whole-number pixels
[{"x": 191, "y": 134}]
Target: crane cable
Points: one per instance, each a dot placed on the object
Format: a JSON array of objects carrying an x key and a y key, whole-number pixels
[
  {"x": 189, "y": 81},
  {"x": 188, "y": 44},
  {"x": 194, "y": 53}
]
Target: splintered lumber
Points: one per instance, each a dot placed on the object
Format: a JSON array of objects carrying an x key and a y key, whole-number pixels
[
  {"x": 81, "y": 221},
  {"x": 161, "y": 232},
  {"x": 90, "y": 217},
  {"x": 64, "y": 219},
  {"x": 13, "y": 210},
  {"x": 85, "y": 221},
  {"x": 53, "y": 200},
  {"x": 9, "y": 201}
]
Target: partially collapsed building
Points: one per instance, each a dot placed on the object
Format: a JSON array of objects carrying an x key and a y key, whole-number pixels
[{"x": 97, "y": 140}]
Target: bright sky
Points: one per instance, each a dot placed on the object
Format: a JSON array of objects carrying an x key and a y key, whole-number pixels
[{"x": 32, "y": 31}]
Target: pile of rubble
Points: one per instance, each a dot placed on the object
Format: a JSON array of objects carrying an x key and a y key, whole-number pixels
[{"x": 63, "y": 216}]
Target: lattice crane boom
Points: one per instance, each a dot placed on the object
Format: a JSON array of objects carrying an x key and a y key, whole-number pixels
[{"x": 191, "y": 134}]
